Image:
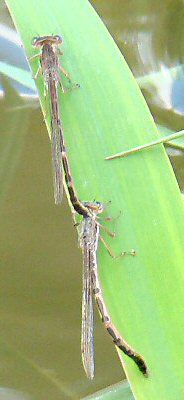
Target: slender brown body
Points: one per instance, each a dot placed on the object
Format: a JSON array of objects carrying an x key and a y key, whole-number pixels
[
  {"x": 50, "y": 68},
  {"x": 91, "y": 284}
]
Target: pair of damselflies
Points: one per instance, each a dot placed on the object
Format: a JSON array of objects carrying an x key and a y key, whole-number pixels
[{"x": 89, "y": 236}]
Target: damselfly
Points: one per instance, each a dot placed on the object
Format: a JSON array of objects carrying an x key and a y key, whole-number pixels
[
  {"x": 89, "y": 238},
  {"x": 50, "y": 68}
]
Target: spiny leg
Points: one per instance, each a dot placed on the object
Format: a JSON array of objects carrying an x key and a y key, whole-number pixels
[
  {"x": 38, "y": 72},
  {"x": 35, "y": 56},
  {"x": 73, "y": 85},
  {"x": 123, "y": 253},
  {"x": 65, "y": 73},
  {"x": 115, "y": 219},
  {"x": 111, "y": 234}
]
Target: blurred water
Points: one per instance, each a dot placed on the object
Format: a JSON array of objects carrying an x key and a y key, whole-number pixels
[
  {"x": 149, "y": 34},
  {"x": 10, "y": 394}
]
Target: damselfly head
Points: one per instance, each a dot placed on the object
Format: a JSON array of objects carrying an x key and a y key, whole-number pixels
[
  {"x": 94, "y": 206},
  {"x": 53, "y": 40}
]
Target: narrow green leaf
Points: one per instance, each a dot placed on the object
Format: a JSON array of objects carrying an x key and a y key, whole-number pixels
[
  {"x": 18, "y": 74},
  {"x": 176, "y": 143},
  {"x": 115, "y": 392},
  {"x": 145, "y": 293}
]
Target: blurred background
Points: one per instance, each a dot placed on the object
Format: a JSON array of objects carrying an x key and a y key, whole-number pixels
[{"x": 40, "y": 262}]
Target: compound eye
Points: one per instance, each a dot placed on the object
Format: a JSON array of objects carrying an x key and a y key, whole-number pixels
[
  {"x": 58, "y": 38},
  {"x": 34, "y": 40}
]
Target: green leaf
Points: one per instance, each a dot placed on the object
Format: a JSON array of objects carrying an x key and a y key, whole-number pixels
[
  {"x": 144, "y": 294},
  {"x": 115, "y": 392},
  {"x": 176, "y": 143},
  {"x": 18, "y": 74}
]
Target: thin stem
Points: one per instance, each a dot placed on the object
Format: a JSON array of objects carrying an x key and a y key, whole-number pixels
[{"x": 144, "y": 146}]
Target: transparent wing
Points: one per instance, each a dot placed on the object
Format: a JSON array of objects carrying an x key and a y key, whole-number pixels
[
  {"x": 55, "y": 145},
  {"x": 87, "y": 335}
]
